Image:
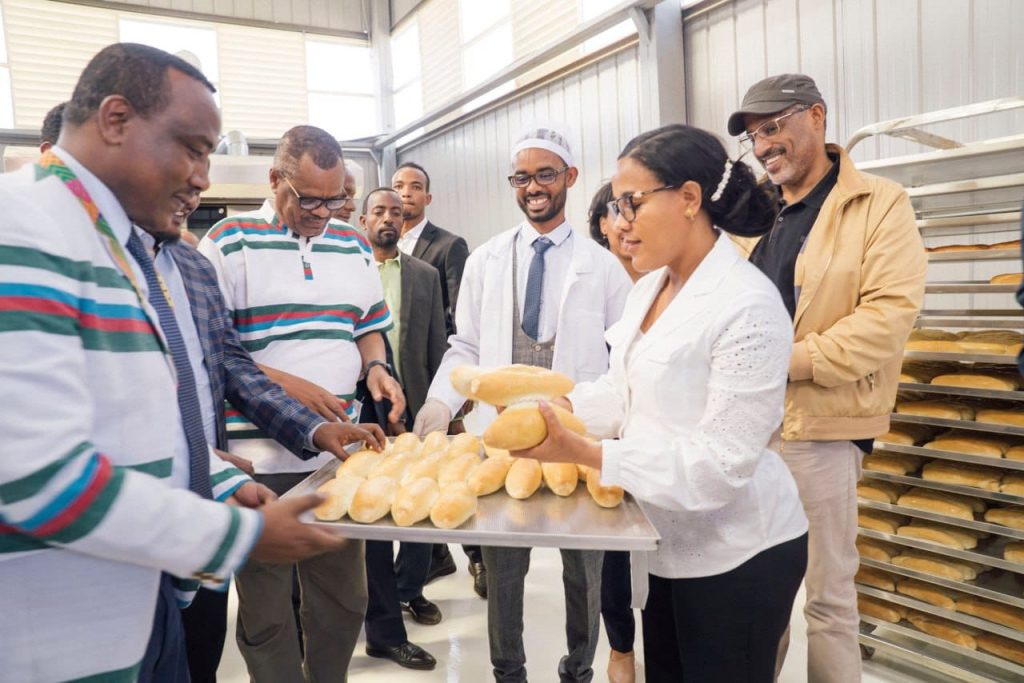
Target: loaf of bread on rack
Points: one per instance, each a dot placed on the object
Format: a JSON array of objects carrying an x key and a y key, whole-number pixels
[
  {"x": 359, "y": 464},
  {"x": 413, "y": 501},
  {"x": 880, "y": 551},
  {"x": 989, "y": 610},
  {"x": 907, "y": 433},
  {"x": 373, "y": 500},
  {"x": 523, "y": 478},
  {"x": 927, "y": 592},
  {"x": 489, "y": 476},
  {"x": 457, "y": 468},
  {"x": 1000, "y": 416},
  {"x": 959, "y": 442},
  {"x": 933, "y": 341},
  {"x": 988, "y": 341},
  {"x": 878, "y": 520},
  {"x": 454, "y": 506},
  {"x": 882, "y": 491},
  {"x": 521, "y": 426},
  {"x": 869, "y": 576},
  {"x": 947, "y": 410},
  {"x": 1012, "y": 483},
  {"x": 1012, "y": 516},
  {"x": 405, "y": 443},
  {"x": 339, "y": 492},
  {"x": 920, "y": 372},
  {"x": 510, "y": 384},
  {"x": 940, "y": 502},
  {"x": 958, "y": 634},
  {"x": 1014, "y": 552},
  {"x": 1009, "y": 244},
  {"x": 957, "y": 247},
  {"x": 879, "y": 609},
  {"x": 999, "y": 646},
  {"x": 937, "y": 565},
  {"x": 892, "y": 463},
  {"x": 605, "y": 496},
  {"x": 560, "y": 477},
  {"x": 1015, "y": 453},
  {"x": 978, "y": 380},
  {"x": 948, "y": 472},
  {"x": 943, "y": 534},
  {"x": 1007, "y": 279}
]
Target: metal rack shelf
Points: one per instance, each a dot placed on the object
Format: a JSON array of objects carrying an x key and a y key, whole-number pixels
[
  {"x": 919, "y": 482},
  {"x": 987, "y": 527},
  {"x": 979, "y": 255},
  {"x": 1004, "y": 587},
  {"x": 970, "y": 219},
  {"x": 966, "y": 425},
  {"x": 963, "y": 391},
  {"x": 1001, "y": 463},
  {"x": 985, "y": 358},
  {"x": 972, "y": 287},
  {"x": 974, "y": 160},
  {"x": 985, "y": 558},
  {"x": 928, "y": 321}
]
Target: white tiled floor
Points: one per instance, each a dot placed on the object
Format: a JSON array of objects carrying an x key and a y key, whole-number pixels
[{"x": 459, "y": 643}]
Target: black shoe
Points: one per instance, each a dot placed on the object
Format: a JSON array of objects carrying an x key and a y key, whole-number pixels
[
  {"x": 439, "y": 568},
  {"x": 423, "y": 611},
  {"x": 407, "y": 654},
  {"x": 479, "y": 572}
]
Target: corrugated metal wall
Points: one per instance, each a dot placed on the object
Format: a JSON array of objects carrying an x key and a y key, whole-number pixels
[
  {"x": 333, "y": 15},
  {"x": 872, "y": 59},
  {"x": 468, "y": 164}
]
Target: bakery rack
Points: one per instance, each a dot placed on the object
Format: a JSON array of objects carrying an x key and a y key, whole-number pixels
[{"x": 964, "y": 193}]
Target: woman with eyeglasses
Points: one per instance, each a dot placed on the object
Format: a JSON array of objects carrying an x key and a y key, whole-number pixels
[
  {"x": 604, "y": 232},
  {"x": 692, "y": 396}
]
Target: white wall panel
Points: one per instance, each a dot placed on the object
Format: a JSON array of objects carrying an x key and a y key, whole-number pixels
[
  {"x": 333, "y": 15},
  {"x": 469, "y": 162}
]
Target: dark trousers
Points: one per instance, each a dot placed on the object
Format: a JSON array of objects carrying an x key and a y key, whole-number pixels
[
  {"x": 389, "y": 582},
  {"x": 440, "y": 550},
  {"x": 206, "y": 626},
  {"x": 165, "y": 660},
  {"x": 616, "y": 595},
  {"x": 724, "y": 627}
]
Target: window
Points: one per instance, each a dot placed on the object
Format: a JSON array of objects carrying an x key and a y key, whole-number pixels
[
  {"x": 406, "y": 71},
  {"x": 177, "y": 37},
  {"x": 591, "y": 9},
  {"x": 6, "y": 100},
  {"x": 486, "y": 30},
  {"x": 340, "y": 80}
]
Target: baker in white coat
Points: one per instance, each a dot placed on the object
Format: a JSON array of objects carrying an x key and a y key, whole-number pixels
[{"x": 538, "y": 294}]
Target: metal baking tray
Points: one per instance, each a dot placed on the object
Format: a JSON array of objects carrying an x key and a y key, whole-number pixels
[
  {"x": 1002, "y": 463},
  {"x": 997, "y": 529},
  {"x": 976, "y": 287},
  {"x": 988, "y": 358},
  {"x": 959, "y": 617},
  {"x": 977, "y": 255},
  {"x": 544, "y": 520},
  {"x": 963, "y": 391},
  {"x": 920, "y": 482},
  {"x": 967, "y": 425},
  {"x": 1004, "y": 587},
  {"x": 987, "y": 323},
  {"x": 989, "y": 551}
]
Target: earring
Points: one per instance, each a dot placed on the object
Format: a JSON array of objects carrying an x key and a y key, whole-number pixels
[{"x": 690, "y": 215}]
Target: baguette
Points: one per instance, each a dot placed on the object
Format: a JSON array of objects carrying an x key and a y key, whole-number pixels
[
  {"x": 1012, "y": 484},
  {"x": 393, "y": 466},
  {"x": 892, "y": 463},
  {"x": 511, "y": 384},
  {"x": 413, "y": 501},
  {"x": 958, "y": 634},
  {"x": 560, "y": 477},
  {"x": 339, "y": 492},
  {"x": 949, "y": 536},
  {"x": 523, "y": 478},
  {"x": 489, "y": 476},
  {"x": 453, "y": 507},
  {"x": 878, "y": 609},
  {"x": 1012, "y": 617},
  {"x": 942, "y": 503},
  {"x": 359, "y": 464},
  {"x": 457, "y": 468},
  {"x": 1007, "y": 279},
  {"x": 978, "y": 380},
  {"x": 943, "y": 567},
  {"x": 428, "y": 466},
  {"x": 407, "y": 442},
  {"x": 1014, "y": 418},
  {"x": 1001, "y": 647},
  {"x": 963, "y": 475},
  {"x": 876, "y": 550},
  {"x": 877, "y": 520},
  {"x": 521, "y": 426},
  {"x": 1014, "y": 552},
  {"x": 463, "y": 443},
  {"x": 1015, "y": 453},
  {"x": 947, "y": 410},
  {"x": 875, "y": 578},
  {"x": 605, "y": 496},
  {"x": 969, "y": 445},
  {"x": 1012, "y": 517},
  {"x": 927, "y": 592},
  {"x": 882, "y": 491},
  {"x": 462, "y": 377},
  {"x": 373, "y": 500}
]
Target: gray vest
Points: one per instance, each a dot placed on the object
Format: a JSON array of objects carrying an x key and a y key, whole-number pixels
[{"x": 526, "y": 351}]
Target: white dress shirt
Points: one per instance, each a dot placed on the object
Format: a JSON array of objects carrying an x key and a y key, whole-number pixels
[
  {"x": 556, "y": 265},
  {"x": 407, "y": 242}
]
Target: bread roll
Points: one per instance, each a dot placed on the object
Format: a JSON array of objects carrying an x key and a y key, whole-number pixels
[
  {"x": 413, "y": 501},
  {"x": 1015, "y": 453},
  {"x": 1013, "y": 484},
  {"x": 1007, "y": 279},
  {"x": 892, "y": 463},
  {"x": 457, "y": 468},
  {"x": 523, "y": 478},
  {"x": 605, "y": 496},
  {"x": 882, "y": 491},
  {"x": 339, "y": 492},
  {"x": 947, "y": 410},
  {"x": 493, "y": 452},
  {"x": 880, "y": 551},
  {"x": 875, "y": 578},
  {"x": 1012, "y": 517},
  {"x": 940, "y": 502},
  {"x": 997, "y": 613},
  {"x": 462, "y": 376},
  {"x": 944, "y": 567},
  {"x": 943, "y": 534},
  {"x": 454, "y": 506},
  {"x": 879, "y": 609},
  {"x": 927, "y": 592},
  {"x": 999, "y": 646},
  {"x": 958, "y": 634},
  {"x": 886, "y": 522},
  {"x": 560, "y": 477},
  {"x": 970, "y": 445},
  {"x": 489, "y": 476},
  {"x": 428, "y": 466},
  {"x": 1014, "y": 418},
  {"x": 464, "y": 443},
  {"x": 582, "y": 471},
  {"x": 962, "y": 475},
  {"x": 405, "y": 443},
  {"x": 433, "y": 442},
  {"x": 517, "y": 383},
  {"x": 978, "y": 380},
  {"x": 521, "y": 426},
  {"x": 393, "y": 466},
  {"x": 359, "y": 464},
  {"x": 373, "y": 500},
  {"x": 1014, "y": 552}
]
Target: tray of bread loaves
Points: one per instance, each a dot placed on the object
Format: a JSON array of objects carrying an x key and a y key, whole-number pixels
[
  {"x": 468, "y": 489},
  {"x": 998, "y": 347}
]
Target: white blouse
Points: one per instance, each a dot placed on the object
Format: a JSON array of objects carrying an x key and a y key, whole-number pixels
[{"x": 693, "y": 403}]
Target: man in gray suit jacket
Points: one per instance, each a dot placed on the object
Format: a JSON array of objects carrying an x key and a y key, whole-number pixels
[{"x": 418, "y": 341}]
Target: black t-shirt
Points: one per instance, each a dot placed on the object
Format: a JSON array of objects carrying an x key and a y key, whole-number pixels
[{"x": 777, "y": 251}]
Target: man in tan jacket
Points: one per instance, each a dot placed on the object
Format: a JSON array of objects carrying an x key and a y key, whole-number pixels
[{"x": 848, "y": 260}]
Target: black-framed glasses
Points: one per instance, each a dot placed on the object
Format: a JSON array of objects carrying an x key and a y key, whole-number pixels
[
  {"x": 768, "y": 129},
  {"x": 314, "y": 203},
  {"x": 545, "y": 176},
  {"x": 626, "y": 205}
]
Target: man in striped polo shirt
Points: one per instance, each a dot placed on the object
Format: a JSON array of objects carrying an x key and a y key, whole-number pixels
[{"x": 306, "y": 300}]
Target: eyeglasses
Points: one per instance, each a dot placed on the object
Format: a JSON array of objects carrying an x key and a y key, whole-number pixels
[
  {"x": 314, "y": 203},
  {"x": 626, "y": 205},
  {"x": 768, "y": 129},
  {"x": 545, "y": 176}
]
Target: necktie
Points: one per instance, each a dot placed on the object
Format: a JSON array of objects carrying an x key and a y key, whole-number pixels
[
  {"x": 535, "y": 287},
  {"x": 188, "y": 399}
]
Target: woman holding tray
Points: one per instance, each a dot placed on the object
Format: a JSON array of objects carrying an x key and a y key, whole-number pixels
[{"x": 693, "y": 394}]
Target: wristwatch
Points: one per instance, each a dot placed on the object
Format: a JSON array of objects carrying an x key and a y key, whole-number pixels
[{"x": 373, "y": 363}]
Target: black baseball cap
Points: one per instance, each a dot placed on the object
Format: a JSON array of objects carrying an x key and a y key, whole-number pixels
[{"x": 774, "y": 94}]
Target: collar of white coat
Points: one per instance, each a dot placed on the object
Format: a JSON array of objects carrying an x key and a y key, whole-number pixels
[{"x": 499, "y": 246}]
